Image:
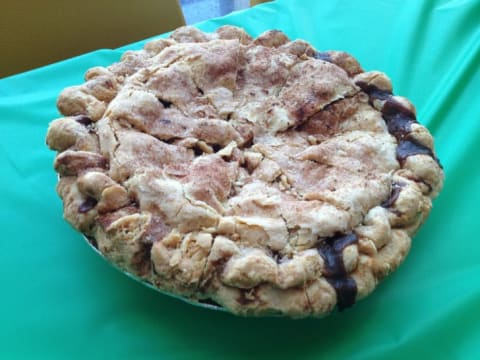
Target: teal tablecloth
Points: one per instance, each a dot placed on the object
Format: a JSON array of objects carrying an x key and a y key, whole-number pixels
[{"x": 60, "y": 300}]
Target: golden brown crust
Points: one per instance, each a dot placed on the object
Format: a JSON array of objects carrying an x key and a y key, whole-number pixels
[{"x": 256, "y": 173}]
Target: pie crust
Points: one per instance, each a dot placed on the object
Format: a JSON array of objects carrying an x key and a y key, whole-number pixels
[{"x": 259, "y": 175}]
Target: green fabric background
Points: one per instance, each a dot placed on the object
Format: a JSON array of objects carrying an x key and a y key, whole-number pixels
[{"x": 60, "y": 300}]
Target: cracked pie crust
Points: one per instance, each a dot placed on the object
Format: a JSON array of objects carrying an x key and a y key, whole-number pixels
[{"x": 258, "y": 175}]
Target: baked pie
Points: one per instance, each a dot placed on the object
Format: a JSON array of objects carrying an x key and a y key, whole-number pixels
[{"x": 258, "y": 175}]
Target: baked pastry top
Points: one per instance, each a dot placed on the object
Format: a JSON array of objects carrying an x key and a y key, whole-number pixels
[{"x": 257, "y": 174}]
